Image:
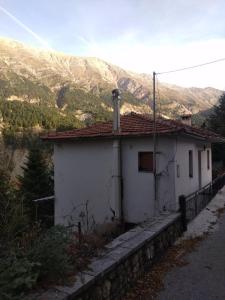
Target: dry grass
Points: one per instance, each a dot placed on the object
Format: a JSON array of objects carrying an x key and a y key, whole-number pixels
[{"x": 148, "y": 287}]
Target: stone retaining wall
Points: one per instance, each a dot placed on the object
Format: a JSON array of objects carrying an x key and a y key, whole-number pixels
[{"x": 125, "y": 260}]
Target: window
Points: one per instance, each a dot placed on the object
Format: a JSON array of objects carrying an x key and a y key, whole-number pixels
[
  {"x": 208, "y": 160},
  {"x": 145, "y": 161},
  {"x": 190, "y": 154},
  {"x": 178, "y": 171}
]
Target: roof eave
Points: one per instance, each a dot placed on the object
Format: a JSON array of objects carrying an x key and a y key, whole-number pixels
[
  {"x": 106, "y": 136},
  {"x": 206, "y": 138}
]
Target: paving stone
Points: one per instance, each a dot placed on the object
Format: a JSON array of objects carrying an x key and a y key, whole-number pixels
[
  {"x": 124, "y": 237},
  {"x": 83, "y": 280},
  {"x": 139, "y": 240},
  {"x": 100, "y": 266},
  {"x": 119, "y": 253}
]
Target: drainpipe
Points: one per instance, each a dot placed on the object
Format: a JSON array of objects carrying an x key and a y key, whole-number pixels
[{"x": 117, "y": 165}]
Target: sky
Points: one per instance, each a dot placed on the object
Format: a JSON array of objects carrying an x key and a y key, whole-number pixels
[{"x": 139, "y": 35}]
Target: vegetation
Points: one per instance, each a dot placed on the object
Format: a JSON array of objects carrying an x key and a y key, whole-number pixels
[
  {"x": 216, "y": 123},
  {"x": 218, "y": 116},
  {"x": 26, "y": 89},
  {"x": 76, "y": 99},
  {"x": 11, "y": 217},
  {"x": 36, "y": 182},
  {"x": 33, "y": 252},
  {"x": 34, "y": 109},
  {"x": 20, "y": 115},
  {"x": 24, "y": 121}
]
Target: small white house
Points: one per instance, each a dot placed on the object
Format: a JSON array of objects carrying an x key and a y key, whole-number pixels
[{"x": 103, "y": 173}]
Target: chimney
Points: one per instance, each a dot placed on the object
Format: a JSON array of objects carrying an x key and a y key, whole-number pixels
[
  {"x": 186, "y": 119},
  {"x": 116, "y": 109}
]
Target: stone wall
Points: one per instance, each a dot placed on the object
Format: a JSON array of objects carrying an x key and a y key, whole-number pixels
[{"x": 124, "y": 261}]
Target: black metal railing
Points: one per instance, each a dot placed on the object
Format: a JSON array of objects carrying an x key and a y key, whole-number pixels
[
  {"x": 44, "y": 210},
  {"x": 191, "y": 205},
  {"x": 44, "y": 213}
]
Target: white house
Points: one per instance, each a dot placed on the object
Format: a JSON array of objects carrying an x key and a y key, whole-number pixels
[{"x": 103, "y": 173}]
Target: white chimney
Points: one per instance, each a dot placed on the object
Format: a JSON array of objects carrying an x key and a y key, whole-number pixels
[
  {"x": 116, "y": 109},
  {"x": 186, "y": 119}
]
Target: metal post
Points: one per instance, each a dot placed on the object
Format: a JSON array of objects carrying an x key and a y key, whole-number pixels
[
  {"x": 182, "y": 202},
  {"x": 36, "y": 211},
  {"x": 156, "y": 205},
  {"x": 196, "y": 203},
  {"x": 79, "y": 233}
]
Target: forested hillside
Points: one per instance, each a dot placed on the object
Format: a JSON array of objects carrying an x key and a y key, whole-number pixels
[
  {"x": 42, "y": 90},
  {"x": 84, "y": 84}
]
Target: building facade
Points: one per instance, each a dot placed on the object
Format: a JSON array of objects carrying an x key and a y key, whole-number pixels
[{"x": 102, "y": 177}]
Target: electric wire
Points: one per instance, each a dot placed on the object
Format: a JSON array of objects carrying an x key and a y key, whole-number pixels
[
  {"x": 212, "y": 106},
  {"x": 192, "y": 67}
]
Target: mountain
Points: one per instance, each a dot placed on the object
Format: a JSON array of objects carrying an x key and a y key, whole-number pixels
[
  {"x": 82, "y": 86},
  {"x": 50, "y": 90}
]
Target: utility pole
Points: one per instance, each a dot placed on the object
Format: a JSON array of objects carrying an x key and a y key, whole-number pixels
[{"x": 156, "y": 206}]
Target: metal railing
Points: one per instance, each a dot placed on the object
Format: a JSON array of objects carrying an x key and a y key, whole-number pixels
[
  {"x": 191, "y": 205},
  {"x": 44, "y": 210}
]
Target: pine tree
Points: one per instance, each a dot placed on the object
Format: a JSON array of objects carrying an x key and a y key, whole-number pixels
[
  {"x": 217, "y": 124},
  {"x": 217, "y": 119},
  {"x": 11, "y": 218},
  {"x": 36, "y": 182}
]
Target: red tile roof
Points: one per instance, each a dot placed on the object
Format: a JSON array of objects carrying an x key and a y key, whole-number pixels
[{"x": 134, "y": 125}]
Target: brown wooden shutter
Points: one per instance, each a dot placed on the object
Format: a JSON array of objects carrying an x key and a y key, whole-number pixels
[
  {"x": 145, "y": 161},
  {"x": 190, "y": 163}
]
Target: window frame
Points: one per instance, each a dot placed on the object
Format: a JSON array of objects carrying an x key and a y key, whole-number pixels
[
  {"x": 178, "y": 171},
  {"x": 208, "y": 159},
  {"x": 190, "y": 164},
  {"x": 149, "y": 169}
]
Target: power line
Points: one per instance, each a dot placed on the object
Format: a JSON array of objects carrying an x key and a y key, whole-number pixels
[{"x": 192, "y": 67}]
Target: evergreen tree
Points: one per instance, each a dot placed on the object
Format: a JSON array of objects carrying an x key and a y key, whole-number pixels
[
  {"x": 36, "y": 182},
  {"x": 5, "y": 203},
  {"x": 11, "y": 217},
  {"x": 5, "y": 189},
  {"x": 217, "y": 124}
]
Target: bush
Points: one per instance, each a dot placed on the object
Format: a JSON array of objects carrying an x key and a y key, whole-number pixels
[
  {"x": 50, "y": 250},
  {"x": 40, "y": 259},
  {"x": 12, "y": 220},
  {"x": 17, "y": 275}
]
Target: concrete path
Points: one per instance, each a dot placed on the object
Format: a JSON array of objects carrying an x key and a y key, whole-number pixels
[{"x": 204, "y": 277}]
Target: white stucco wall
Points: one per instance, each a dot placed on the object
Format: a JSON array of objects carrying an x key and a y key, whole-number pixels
[
  {"x": 83, "y": 172},
  {"x": 184, "y": 184},
  {"x": 138, "y": 186}
]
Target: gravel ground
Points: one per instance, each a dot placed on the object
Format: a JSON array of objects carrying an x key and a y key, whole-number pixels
[{"x": 203, "y": 278}]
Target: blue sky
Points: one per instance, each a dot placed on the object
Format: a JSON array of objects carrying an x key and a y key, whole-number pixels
[{"x": 140, "y": 35}]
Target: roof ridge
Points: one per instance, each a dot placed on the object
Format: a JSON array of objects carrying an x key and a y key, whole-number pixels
[{"x": 141, "y": 116}]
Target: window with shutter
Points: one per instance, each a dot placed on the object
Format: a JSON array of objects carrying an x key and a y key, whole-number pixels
[
  {"x": 145, "y": 161},
  {"x": 190, "y": 163},
  {"x": 208, "y": 160}
]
